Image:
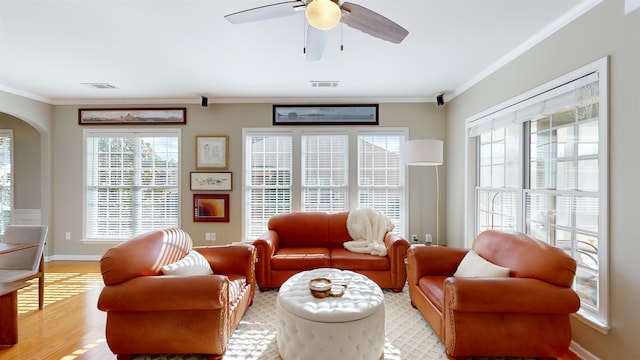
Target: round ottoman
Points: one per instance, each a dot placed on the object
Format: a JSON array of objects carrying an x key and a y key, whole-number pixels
[{"x": 346, "y": 327}]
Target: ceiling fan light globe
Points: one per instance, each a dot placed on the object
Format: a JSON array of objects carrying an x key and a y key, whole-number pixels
[{"x": 323, "y": 14}]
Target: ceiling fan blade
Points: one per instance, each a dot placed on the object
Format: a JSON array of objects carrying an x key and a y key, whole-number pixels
[
  {"x": 372, "y": 23},
  {"x": 266, "y": 12},
  {"x": 316, "y": 40}
]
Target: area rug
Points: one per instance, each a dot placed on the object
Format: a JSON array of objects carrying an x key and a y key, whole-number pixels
[{"x": 408, "y": 335}]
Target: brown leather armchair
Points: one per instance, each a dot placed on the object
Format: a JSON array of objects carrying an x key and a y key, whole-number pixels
[
  {"x": 151, "y": 313},
  {"x": 525, "y": 314}
]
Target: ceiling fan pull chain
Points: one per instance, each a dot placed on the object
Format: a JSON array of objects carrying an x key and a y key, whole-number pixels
[{"x": 341, "y": 37}]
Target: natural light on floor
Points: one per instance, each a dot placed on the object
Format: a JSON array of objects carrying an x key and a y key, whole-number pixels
[{"x": 59, "y": 286}]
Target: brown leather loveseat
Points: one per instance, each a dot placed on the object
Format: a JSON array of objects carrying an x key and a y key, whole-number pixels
[
  {"x": 524, "y": 314},
  {"x": 152, "y": 313},
  {"x": 302, "y": 241}
]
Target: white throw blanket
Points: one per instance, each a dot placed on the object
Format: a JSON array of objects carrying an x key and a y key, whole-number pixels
[{"x": 367, "y": 228}]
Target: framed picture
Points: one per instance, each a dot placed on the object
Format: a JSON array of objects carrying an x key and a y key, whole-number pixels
[
  {"x": 359, "y": 114},
  {"x": 211, "y": 207},
  {"x": 212, "y": 152},
  {"x": 135, "y": 116},
  {"x": 210, "y": 181}
]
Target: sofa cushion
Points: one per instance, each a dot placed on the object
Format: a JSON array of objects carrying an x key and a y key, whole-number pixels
[
  {"x": 342, "y": 258},
  {"x": 302, "y": 258},
  {"x": 301, "y": 229},
  {"x": 473, "y": 265},
  {"x": 433, "y": 289},
  {"x": 338, "y": 232},
  {"x": 192, "y": 264},
  {"x": 237, "y": 284}
]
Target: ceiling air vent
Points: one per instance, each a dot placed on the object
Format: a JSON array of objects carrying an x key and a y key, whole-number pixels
[
  {"x": 325, "y": 84},
  {"x": 99, "y": 85}
]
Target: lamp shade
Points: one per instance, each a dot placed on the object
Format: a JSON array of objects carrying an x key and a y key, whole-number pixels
[
  {"x": 424, "y": 152},
  {"x": 323, "y": 14}
]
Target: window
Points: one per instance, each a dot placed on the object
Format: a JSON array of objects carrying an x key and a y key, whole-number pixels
[
  {"x": 541, "y": 168},
  {"x": 268, "y": 187},
  {"x": 6, "y": 178},
  {"x": 296, "y": 170},
  {"x": 498, "y": 178},
  {"x": 380, "y": 175},
  {"x": 325, "y": 160},
  {"x": 131, "y": 184}
]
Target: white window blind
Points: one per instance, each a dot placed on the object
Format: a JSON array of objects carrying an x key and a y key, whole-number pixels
[
  {"x": 132, "y": 183},
  {"x": 380, "y": 175},
  {"x": 268, "y": 182},
  {"x": 6, "y": 178},
  {"x": 325, "y": 172}
]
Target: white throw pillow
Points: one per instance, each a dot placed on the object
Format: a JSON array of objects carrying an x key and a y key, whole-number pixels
[
  {"x": 192, "y": 264},
  {"x": 473, "y": 265}
]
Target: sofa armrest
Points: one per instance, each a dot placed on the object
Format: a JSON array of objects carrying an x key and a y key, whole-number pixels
[
  {"x": 433, "y": 260},
  {"x": 266, "y": 245},
  {"x": 166, "y": 292},
  {"x": 396, "y": 251},
  {"x": 231, "y": 259},
  {"x": 508, "y": 295}
]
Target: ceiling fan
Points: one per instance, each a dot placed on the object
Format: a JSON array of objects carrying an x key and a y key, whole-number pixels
[{"x": 323, "y": 15}]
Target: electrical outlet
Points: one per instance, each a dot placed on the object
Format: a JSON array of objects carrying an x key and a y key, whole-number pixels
[
  {"x": 67, "y": 235},
  {"x": 414, "y": 238},
  {"x": 207, "y": 236},
  {"x": 428, "y": 239},
  {"x": 213, "y": 236}
]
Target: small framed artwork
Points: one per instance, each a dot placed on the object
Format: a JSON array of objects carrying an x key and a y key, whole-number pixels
[
  {"x": 211, "y": 181},
  {"x": 211, "y": 207},
  {"x": 212, "y": 152},
  {"x": 357, "y": 114},
  {"x": 133, "y": 116}
]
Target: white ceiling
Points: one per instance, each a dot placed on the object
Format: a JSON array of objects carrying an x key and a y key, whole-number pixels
[{"x": 163, "y": 51}]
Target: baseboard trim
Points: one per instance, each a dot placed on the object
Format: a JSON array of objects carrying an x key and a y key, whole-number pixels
[
  {"x": 73, "y": 258},
  {"x": 581, "y": 352}
]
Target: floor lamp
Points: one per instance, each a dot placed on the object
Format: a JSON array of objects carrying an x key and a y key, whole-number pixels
[{"x": 427, "y": 152}]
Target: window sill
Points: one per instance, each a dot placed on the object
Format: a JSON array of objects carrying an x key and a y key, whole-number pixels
[
  {"x": 592, "y": 322},
  {"x": 101, "y": 241}
]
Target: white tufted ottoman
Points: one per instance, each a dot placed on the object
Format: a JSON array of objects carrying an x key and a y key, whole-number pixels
[{"x": 347, "y": 327}]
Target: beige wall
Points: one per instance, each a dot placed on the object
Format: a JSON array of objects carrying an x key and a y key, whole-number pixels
[
  {"x": 422, "y": 119},
  {"x": 604, "y": 31}
]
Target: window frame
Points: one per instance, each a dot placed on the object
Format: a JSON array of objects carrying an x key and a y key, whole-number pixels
[
  {"x": 494, "y": 117},
  {"x": 353, "y": 134},
  {"x": 124, "y": 132},
  {"x": 9, "y": 134}
]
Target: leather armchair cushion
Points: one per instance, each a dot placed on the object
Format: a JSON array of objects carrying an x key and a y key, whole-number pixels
[
  {"x": 144, "y": 255},
  {"x": 344, "y": 259},
  {"x": 301, "y": 258},
  {"x": 551, "y": 263},
  {"x": 431, "y": 287}
]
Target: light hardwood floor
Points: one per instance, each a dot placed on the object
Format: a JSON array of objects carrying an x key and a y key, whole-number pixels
[{"x": 70, "y": 327}]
